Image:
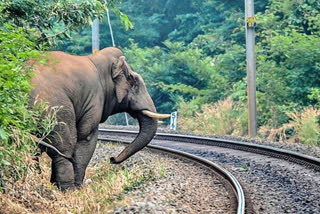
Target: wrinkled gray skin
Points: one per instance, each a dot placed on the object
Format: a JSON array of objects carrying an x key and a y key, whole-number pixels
[{"x": 89, "y": 89}]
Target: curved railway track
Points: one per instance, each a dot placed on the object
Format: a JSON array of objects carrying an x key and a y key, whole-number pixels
[
  {"x": 277, "y": 180},
  {"x": 229, "y": 179},
  {"x": 288, "y": 155}
]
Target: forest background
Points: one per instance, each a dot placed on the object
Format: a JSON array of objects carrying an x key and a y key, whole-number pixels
[
  {"x": 190, "y": 53},
  {"x": 192, "y": 56}
]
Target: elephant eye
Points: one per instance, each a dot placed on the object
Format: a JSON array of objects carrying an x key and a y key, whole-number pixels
[
  {"x": 136, "y": 79},
  {"x": 131, "y": 80}
]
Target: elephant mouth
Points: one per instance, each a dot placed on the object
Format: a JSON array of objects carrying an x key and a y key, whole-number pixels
[{"x": 155, "y": 115}]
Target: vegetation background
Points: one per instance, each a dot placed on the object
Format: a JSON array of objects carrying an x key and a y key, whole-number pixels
[{"x": 191, "y": 54}]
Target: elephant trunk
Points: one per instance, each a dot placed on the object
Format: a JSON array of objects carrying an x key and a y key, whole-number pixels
[{"x": 148, "y": 128}]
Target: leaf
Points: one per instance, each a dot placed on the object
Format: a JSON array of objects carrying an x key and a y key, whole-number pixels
[
  {"x": 5, "y": 163},
  {"x": 124, "y": 19},
  {"x": 3, "y": 134}
]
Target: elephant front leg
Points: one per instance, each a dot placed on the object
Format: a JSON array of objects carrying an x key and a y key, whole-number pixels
[
  {"x": 83, "y": 153},
  {"x": 62, "y": 173}
]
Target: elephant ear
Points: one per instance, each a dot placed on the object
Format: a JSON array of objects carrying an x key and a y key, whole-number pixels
[{"x": 120, "y": 73}]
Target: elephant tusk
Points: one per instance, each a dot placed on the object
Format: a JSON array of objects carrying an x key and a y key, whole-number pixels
[{"x": 155, "y": 115}]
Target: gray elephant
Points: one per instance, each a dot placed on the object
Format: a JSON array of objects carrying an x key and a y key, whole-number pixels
[{"x": 89, "y": 89}]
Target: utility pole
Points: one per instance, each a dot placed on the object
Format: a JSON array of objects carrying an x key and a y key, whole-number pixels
[
  {"x": 251, "y": 67},
  {"x": 95, "y": 36}
]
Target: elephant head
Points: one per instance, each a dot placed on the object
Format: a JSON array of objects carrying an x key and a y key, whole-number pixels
[{"x": 131, "y": 96}]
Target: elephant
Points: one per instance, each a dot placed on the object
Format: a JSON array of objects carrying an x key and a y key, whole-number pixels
[{"x": 89, "y": 89}]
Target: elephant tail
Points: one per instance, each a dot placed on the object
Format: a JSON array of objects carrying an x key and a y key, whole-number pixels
[{"x": 56, "y": 150}]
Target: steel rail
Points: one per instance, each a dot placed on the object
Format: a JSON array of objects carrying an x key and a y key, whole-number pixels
[
  {"x": 288, "y": 155},
  {"x": 236, "y": 186}
]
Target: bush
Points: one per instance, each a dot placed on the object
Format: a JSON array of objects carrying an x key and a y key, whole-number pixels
[
  {"x": 17, "y": 121},
  {"x": 224, "y": 118},
  {"x": 302, "y": 127}
]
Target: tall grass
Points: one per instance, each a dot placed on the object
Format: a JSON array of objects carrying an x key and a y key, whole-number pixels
[
  {"x": 109, "y": 183},
  {"x": 303, "y": 127},
  {"x": 17, "y": 152},
  {"x": 224, "y": 118}
]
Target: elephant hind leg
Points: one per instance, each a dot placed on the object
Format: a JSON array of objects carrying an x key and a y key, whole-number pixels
[
  {"x": 64, "y": 138},
  {"x": 83, "y": 153},
  {"x": 62, "y": 173},
  {"x": 53, "y": 173}
]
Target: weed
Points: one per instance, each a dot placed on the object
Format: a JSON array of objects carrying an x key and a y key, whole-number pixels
[
  {"x": 224, "y": 118},
  {"x": 245, "y": 167},
  {"x": 302, "y": 127},
  {"x": 162, "y": 171}
]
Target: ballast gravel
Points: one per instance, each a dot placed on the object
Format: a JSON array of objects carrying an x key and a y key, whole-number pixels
[
  {"x": 184, "y": 187},
  {"x": 274, "y": 186}
]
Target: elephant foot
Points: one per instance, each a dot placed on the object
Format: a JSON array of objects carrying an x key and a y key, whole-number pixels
[
  {"x": 78, "y": 185},
  {"x": 65, "y": 186},
  {"x": 62, "y": 174}
]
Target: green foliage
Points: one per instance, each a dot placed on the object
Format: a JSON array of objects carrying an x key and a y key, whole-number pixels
[
  {"x": 16, "y": 120},
  {"x": 288, "y": 55},
  {"x": 314, "y": 96},
  {"x": 44, "y": 15},
  {"x": 176, "y": 71},
  {"x": 209, "y": 22},
  {"x": 195, "y": 49},
  {"x": 302, "y": 16},
  {"x": 124, "y": 19}
]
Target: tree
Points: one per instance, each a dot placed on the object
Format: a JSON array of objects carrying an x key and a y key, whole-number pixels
[
  {"x": 44, "y": 16},
  {"x": 195, "y": 49}
]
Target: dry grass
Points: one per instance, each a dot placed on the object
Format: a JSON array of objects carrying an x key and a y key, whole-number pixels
[
  {"x": 303, "y": 127},
  {"x": 223, "y": 118},
  {"x": 34, "y": 193},
  {"x": 16, "y": 150}
]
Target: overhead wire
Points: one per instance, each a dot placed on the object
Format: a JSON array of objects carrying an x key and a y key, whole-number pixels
[{"x": 113, "y": 44}]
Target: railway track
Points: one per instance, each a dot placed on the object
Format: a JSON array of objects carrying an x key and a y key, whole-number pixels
[
  {"x": 225, "y": 176},
  {"x": 277, "y": 180},
  {"x": 288, "y": 155}
]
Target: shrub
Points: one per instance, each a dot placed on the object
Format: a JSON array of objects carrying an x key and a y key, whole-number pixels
[
  {"x": 224, "y": 118},
  {"x": 302, "y": 127},
  {"x": 17, "y": 121}
]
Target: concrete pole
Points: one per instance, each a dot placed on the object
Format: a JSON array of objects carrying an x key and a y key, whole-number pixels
[
  {"x": 251, "y": 68},
  {"x": 95, "y": 36}
]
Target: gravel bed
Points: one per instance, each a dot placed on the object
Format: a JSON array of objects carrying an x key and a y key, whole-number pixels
[
  {"x": 297, "y": 147},
  {"x": 274, "y": 186},
  {"x": 184, "y": 188}
]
